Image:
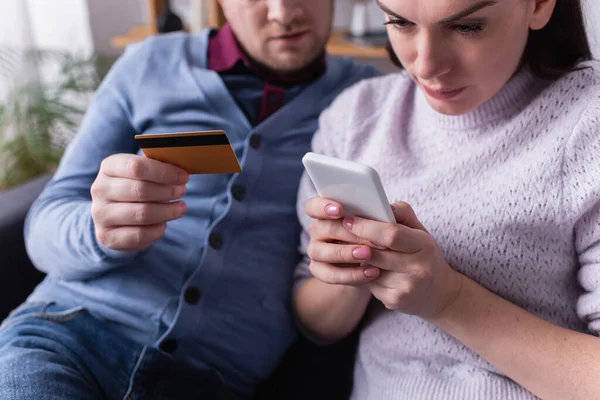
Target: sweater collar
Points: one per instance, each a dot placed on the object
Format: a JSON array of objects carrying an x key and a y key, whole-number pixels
[{"x": 521, "y": 89}]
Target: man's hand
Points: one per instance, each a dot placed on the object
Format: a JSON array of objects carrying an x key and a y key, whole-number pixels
[{"x": 133, "y": 197}]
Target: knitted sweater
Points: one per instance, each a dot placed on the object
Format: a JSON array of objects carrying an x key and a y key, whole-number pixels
[{"x": 510, "y": 192}]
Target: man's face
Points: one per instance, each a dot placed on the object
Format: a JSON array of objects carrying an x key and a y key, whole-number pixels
[{"x": 282, "y": 35}]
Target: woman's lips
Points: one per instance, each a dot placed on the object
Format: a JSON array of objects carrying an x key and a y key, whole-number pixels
[{"x": 442, "y": 94}]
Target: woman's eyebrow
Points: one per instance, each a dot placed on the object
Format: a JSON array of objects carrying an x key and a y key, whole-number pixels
[{"x": 458, "y": 16}]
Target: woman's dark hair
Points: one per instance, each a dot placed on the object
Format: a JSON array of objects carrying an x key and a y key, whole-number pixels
[{"x": 556, "y": 49}]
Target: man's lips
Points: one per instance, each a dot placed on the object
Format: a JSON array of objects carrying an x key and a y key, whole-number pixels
[{"x": 292, "y": 36}]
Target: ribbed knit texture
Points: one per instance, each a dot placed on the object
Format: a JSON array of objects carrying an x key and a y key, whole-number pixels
[{"x": 511, "y": 193}]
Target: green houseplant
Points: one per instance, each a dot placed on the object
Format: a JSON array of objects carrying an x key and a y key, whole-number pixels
[{"x": 39, "y": 117}]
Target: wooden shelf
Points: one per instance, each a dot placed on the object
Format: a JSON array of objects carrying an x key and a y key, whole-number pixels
[
  {"x": 136, "y": 34},
  {"x": 337, "y": 45}
]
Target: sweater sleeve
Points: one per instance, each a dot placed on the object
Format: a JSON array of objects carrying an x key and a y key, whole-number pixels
[
  {"x": 59, "y": 231},
  {"x": 581, "y": 169}
]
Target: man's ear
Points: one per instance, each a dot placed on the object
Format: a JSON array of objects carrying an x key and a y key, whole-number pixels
[{"x": 542, "y": 12}]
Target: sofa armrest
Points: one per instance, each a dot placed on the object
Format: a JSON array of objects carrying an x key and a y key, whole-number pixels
[
  {"x": 17, "y": 275},
  {"x": 310, "y": 371}
]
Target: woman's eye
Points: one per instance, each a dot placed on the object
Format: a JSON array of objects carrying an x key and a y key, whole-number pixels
[
  {"x": 468, "y": 29},
  {"x": 398, "y": 23},
  {"x": 463, "y": 29}
]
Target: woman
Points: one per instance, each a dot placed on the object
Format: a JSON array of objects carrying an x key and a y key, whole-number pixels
[{"x": 488, "y": 287}]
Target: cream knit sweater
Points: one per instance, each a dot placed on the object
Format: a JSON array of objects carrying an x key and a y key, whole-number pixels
[{"x": 511, "y": 193}]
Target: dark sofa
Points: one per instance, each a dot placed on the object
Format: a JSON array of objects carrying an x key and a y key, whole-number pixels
[
  {"x": 17, "y": 275},
  {"x": 306, "y": 372}
]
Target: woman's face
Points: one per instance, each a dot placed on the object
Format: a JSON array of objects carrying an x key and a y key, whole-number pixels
[{"x": 462, "y": 52}]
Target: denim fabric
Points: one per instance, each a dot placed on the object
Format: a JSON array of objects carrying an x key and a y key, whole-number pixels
[{"x": 52, "y": 352}]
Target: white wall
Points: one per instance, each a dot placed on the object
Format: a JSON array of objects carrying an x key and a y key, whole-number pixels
[
  {"x": 592, "y": 12},
  {"x": 109, "y": 18},
  {"x": 343, "y": 12},
  {"x": 116, "y": 17},
  {"x": 40, "y": 24},
  {"x": 56, "y": 24}
]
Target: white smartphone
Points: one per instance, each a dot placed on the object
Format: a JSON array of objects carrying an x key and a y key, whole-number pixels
[{"x": 354, "y": 185}]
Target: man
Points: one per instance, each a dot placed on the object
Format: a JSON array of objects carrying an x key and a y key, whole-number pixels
[{"x": 165, "y": 285}]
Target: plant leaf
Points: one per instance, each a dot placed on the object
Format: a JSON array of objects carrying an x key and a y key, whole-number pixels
[{"x": 38, "y": 119}]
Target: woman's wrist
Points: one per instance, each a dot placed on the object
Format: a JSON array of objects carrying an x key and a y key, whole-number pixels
[
  {"x": 452, "y": 293},
  {"x": 357, "y": 292},
  {"x": 332, "y": 311},
  {"x": 463, "y": 308}
]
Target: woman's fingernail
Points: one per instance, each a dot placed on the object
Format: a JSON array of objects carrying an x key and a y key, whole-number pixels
[
  {"x": 372, "y": 272},
  {"x": 361, "y": 253},
  {"x": 348, "y": 223},
  {"x": 332, "y": 210}
]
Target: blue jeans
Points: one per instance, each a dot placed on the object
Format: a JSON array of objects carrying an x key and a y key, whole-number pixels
[{"x": 51, "y": 352}]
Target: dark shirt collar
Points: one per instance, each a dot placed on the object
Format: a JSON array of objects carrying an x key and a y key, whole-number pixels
[
  {"x": 225, "y": 54},
  {"x": 224, "y": 51}
]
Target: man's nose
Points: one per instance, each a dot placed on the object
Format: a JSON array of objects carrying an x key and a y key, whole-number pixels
[{"x": 284, "y": 11}]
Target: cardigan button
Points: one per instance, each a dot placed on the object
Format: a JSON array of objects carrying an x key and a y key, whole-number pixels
[
  {"x": 168, "y": 346},
  {"x": 215, "y": 240},
  {"x": 255, "y": 141},
  {"x": 238, "y": 192},
  {"x": 192, "y": 295}
]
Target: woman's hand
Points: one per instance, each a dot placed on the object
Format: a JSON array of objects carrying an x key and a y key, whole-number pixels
[
  {"x": 401, "y": 264},
  {"x": 338, "y": 257}
]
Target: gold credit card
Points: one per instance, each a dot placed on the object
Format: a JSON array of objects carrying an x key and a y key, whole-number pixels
[{"x": 207, "y": 152}]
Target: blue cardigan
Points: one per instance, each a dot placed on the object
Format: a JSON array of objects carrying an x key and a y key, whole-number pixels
[{"x": 239, "y": 252}]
